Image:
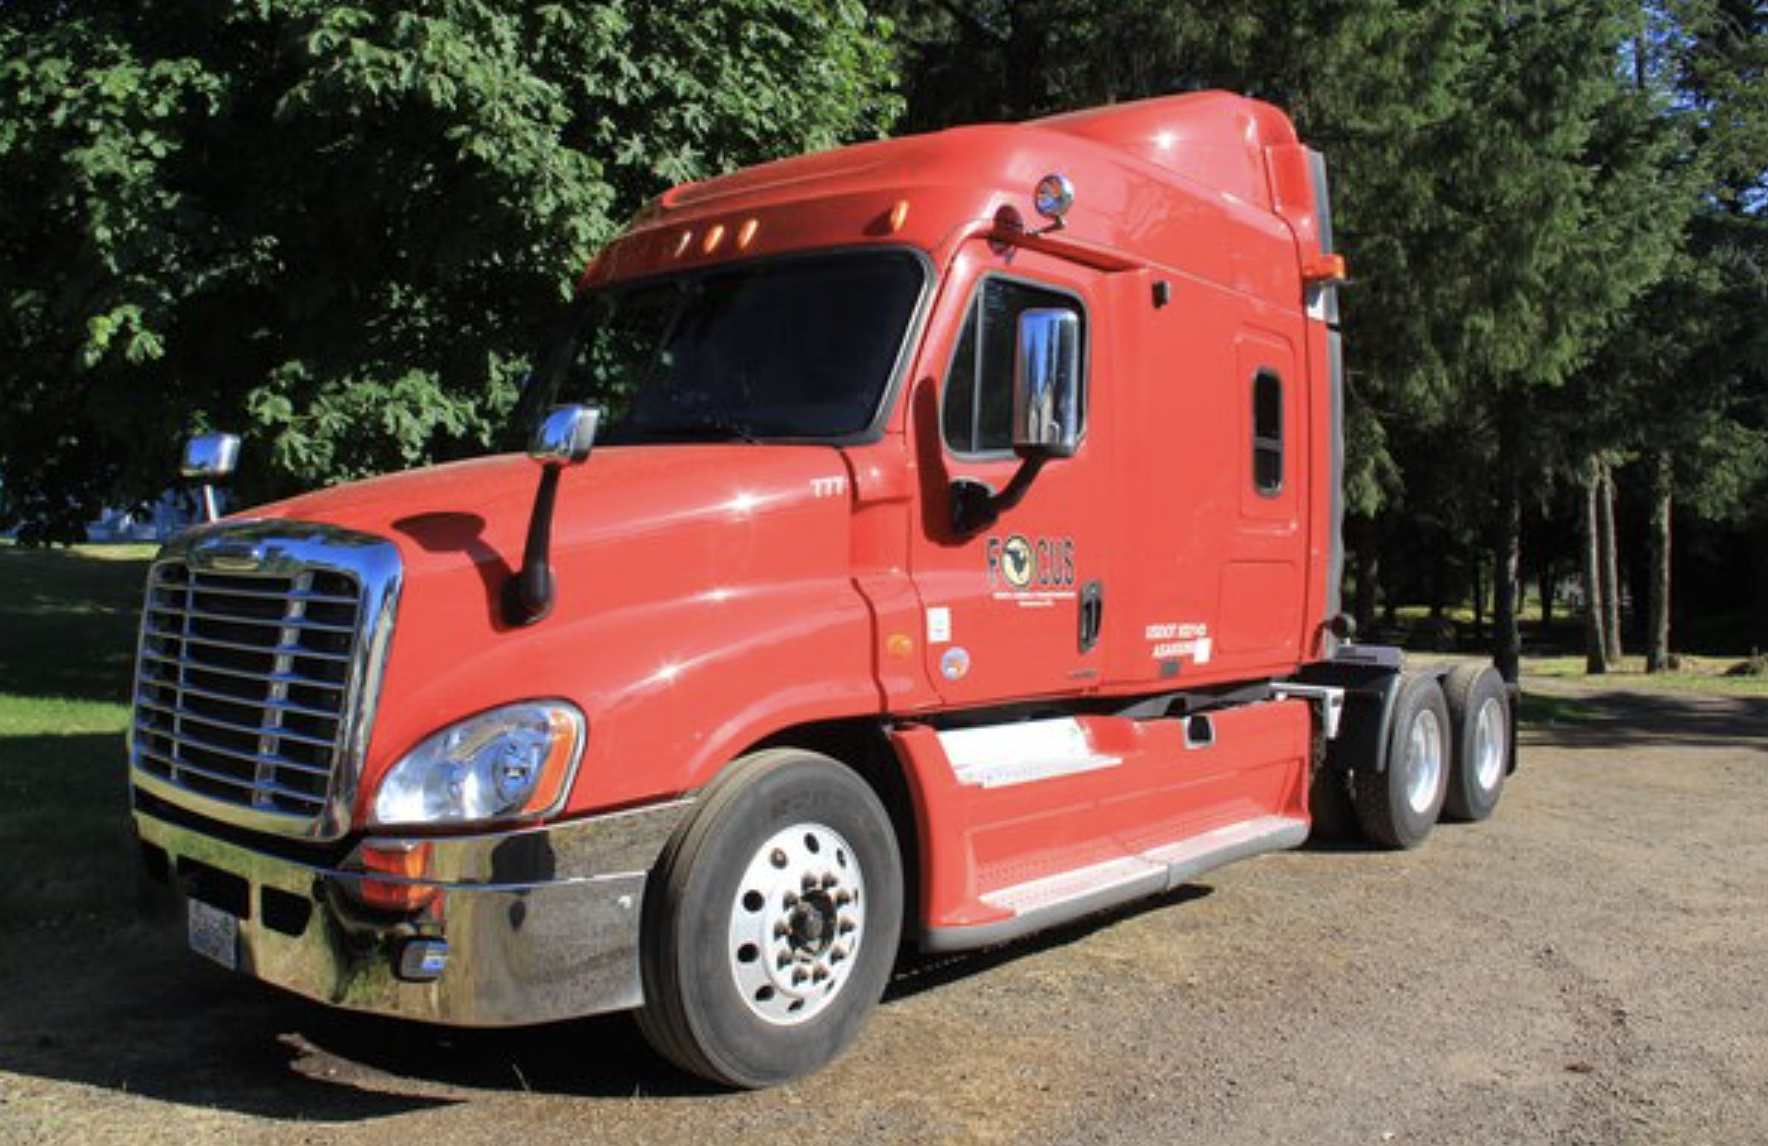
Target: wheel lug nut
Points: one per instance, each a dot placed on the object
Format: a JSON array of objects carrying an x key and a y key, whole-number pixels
[
  {"x": 809, "y": 882},
  {"x": 831, "y": 879},
  {"x": 845, "y": 927},
  {"x": 820, "y": 974},
  {"x": 800, "y": 975}
]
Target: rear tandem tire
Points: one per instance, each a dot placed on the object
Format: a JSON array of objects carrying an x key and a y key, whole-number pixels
[
  {"x": 1479, "y": 715},
  {"x": 771, "y": 921},
  {"x": 1397, "y": 807}
]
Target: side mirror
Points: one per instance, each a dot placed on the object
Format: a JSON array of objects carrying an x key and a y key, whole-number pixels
[
  {"x": 1046, "y": 384},
  {"x": 210, "y": 457},
  {"x": 565, "y": 436}
]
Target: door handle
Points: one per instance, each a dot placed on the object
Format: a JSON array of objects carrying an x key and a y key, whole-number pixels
[{"x": 1092, "y": 614}]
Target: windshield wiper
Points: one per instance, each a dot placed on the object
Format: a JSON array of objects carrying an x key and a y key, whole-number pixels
[{"x": 710, "y": 426}]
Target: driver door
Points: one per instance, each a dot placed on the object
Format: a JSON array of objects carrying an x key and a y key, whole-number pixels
[{"x": 1005, "y": 603}]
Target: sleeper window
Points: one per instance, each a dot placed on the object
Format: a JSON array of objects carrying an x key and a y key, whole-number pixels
[{"x": 1267, "y": 433}]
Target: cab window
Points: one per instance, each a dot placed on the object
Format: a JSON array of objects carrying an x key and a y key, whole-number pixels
[{"x": 977, "y": 418}]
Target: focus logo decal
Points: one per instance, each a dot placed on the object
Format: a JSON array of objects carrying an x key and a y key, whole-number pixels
[{"x": 1033, "y": 573}]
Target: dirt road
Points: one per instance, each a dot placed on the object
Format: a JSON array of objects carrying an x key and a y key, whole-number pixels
[{"x": 1590, "y": 967}]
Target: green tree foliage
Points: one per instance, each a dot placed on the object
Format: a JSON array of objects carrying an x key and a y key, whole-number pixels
[
  {"x": 1683, "y": 378},
  {"x": 1501, "y": 189},
  {"x": 340, "y": 228}
]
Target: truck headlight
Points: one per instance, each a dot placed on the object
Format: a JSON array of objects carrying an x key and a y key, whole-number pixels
[{"x": 511, "y": 763}]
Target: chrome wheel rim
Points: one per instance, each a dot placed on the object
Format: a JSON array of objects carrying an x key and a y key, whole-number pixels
[
  {"x": 797, "y": 923},
  {"x": 1489, "y": 733},
  {"x": 1424, "y": 750}
]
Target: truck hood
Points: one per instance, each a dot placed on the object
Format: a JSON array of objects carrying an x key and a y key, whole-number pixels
[
  {"x": 475, "y": 513},
  {"x": 679, "y": 570}
]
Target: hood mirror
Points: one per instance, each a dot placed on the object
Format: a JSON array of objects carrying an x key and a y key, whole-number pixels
[
  {"x": 563, "y": 438},
  {"x": 210, "y": 459}
]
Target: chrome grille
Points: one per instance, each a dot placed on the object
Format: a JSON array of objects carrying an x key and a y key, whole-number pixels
[
  {"x": 243, "y": 682},
  {"x": 260, "y": 650}
]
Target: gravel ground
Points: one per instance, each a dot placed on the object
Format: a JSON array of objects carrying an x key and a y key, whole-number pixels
[{"x": 1586, "y": 968}]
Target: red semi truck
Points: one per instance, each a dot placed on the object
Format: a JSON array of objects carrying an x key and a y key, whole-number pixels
[{"x": 932, "y": 541}]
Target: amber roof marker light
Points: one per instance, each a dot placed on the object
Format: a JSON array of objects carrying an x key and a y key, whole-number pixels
[{"x": 1329, "y": 268}]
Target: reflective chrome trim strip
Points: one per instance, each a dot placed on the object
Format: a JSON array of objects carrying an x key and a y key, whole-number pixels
[
  {"x": 274, "y": 678},
  {"x": 305, "y": 595},
  {"x": 254, "y": 785},
  {"x": 278, "y": 732},
  {"x": 265, "y": 622},
  {"x": 287, "y": 706},
  {"x": 269, "y": 759},
  {"x": 1331, "y": 701},
  {"x": 1001, "y": 755},
  {"x": 293, "y": 652}
]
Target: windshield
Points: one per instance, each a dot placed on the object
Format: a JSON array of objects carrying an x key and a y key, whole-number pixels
[{"x": 796, "y": 349}]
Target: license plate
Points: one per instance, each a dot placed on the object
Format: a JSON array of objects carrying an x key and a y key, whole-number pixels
[{"x": 214, "y": 934}]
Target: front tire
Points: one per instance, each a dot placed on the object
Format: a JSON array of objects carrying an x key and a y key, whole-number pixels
[
  {"x": 772, "y": 922},
  {"x": 1397, "y": 807}
]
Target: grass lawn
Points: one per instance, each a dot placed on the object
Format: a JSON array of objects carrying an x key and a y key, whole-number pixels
[
  {"x": 67, "y": 646},
  {"x": 1696, "y": 674}
]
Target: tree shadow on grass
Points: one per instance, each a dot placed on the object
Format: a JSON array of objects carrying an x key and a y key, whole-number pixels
[
  {"x": 68, "y": 622},
  {"x": 1623, "y": 719}
]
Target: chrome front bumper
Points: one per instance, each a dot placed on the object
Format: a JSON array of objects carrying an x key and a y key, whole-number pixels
[{"x": 540, "y": 924}]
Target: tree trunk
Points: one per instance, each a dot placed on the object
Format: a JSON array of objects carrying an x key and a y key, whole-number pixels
[
  {"x": 1657, "y": 646},
  {"x": 1025, "y": 71},
  {"x": 1595, "y": 607},
  {"x": 1506, "y": 572},
  {"x": 1368, "y": 573},
  {"x": 1611, "y": 578},
  {"x": 1546, "y": 583},
  {"x": 1479, "y": 597},
  {"x": 1759, "y": 599}
]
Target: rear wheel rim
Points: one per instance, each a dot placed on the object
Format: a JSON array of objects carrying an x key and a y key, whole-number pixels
[
  {"x": 1424, "y": 749},
  {"x": 797, "y": 922},
  {"x": 1489, "y": 735}
]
